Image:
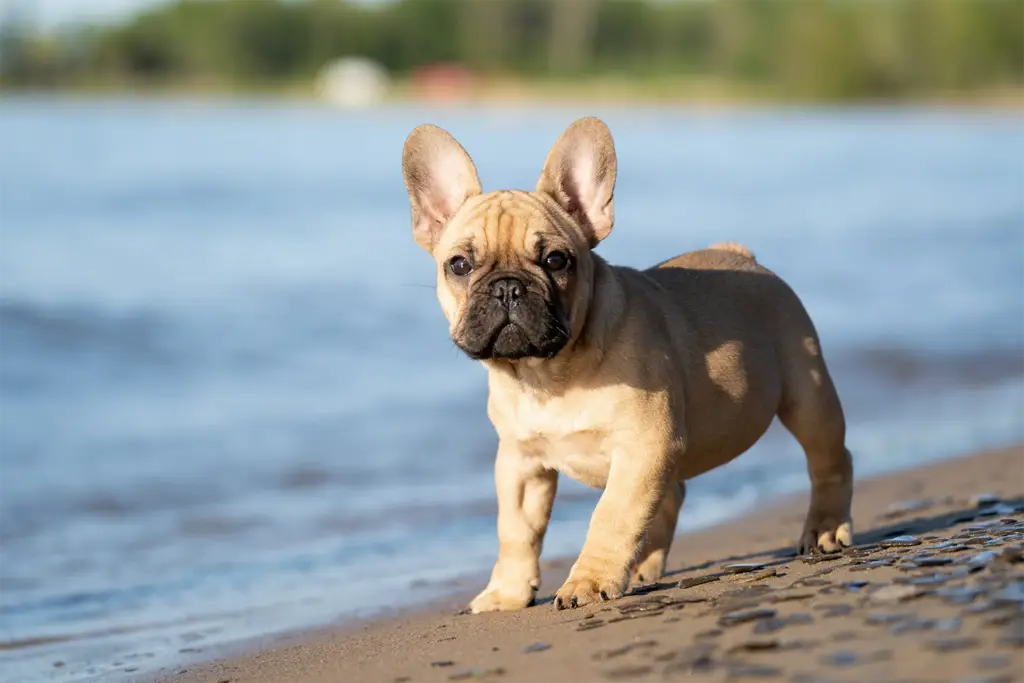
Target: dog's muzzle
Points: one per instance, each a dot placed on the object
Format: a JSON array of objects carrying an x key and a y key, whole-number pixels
[{"x": 507, "y": 319}]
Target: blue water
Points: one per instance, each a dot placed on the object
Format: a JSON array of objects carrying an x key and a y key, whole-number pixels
[{"x": 229, "y": 407}]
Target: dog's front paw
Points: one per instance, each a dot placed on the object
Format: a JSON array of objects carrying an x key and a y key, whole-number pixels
[
  {"x": 825, "y": 533},
  {"x": 501, "y": 599},
  {"x": 583, "y": 590}
]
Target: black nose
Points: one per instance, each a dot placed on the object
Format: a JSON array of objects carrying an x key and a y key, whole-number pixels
[{"x": 508, "y": 289}]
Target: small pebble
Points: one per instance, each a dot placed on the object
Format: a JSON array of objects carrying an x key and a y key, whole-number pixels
[
  {"x": 696, "y": 581},
  {"x": 625, "y": 649},
  {"x": 864, "y": 549},
  {"x": 883, "y": 562},
  {"x": 590, "y": 625},
  {"x": 959, "y": 595},
  {"x": 887, "y": 618},
  {"x": 475, "y": 673},
  {"x": 442, "y": 663},
  {"x": 953, "y": 644},
  {"x": 947, "y": 547},
  {"x": 761, "y": 575},
  {"x": 743, "y": 616},
  {"x": 900, "y": 542},
  {"x": 710, "y": 633},
  {"x": 829, "y": 611},
  {"x": 1011, "y": 593},
  {"x": 895, "y": 593},
  {"x": 998, "y": 509},
  {"x": 984, "y": 499},
  {"x": 537, "y": 647},
  {"x": 849, "y": 658},
  {"x": 774, "y": 624},
  {"x": 693, "y": 660},
  {"x": 983, "y": 608},
  {"x": 756, "y": 645},
  {"x": 912, "y": 624},
  {"x": 934, "y": 579},
  {"x": 740, "y": 670},
  {"x": 819, "y": 558},
  {"x": 976, "y": 540},
  {"x": 811, "y": 582},
  {"x": 787, "y": 597},
  {"x": 743, "y": 567}
]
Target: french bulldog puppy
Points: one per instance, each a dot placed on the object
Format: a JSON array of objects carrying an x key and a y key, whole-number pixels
[{"x": 631, "y": 381}]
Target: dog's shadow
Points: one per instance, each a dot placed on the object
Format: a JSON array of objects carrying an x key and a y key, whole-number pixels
[
  {"x": 914, "y": 526},
  {"x": 911, "y": 526}
]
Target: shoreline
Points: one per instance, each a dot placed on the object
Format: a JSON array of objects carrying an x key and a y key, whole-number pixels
[
  {"x": 513, "y": 94},
  {"x": 430, "y": 642}
]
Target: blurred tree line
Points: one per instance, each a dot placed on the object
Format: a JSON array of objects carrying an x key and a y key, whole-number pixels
[{"x": 816, "y": 49}]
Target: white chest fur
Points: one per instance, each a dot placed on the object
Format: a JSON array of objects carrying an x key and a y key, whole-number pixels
[{"x": 564, "y": 433}]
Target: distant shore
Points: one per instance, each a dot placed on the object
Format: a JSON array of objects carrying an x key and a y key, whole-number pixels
[
  {"x": 599, "y": 91},
  {"x": 944, "y": 602}
]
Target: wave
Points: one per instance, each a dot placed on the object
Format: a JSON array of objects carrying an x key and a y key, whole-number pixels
[
  {"x": 965, "y": 368},
  {"x": 138, "y": 334}
]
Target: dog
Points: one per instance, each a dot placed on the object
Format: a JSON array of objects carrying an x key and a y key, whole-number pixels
[{"x": 631, "y": 381}]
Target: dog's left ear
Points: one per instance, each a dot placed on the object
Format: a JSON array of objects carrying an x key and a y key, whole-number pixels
[
  {"x": 440, "y": 177},
  {"x": 579, "y": 174}
]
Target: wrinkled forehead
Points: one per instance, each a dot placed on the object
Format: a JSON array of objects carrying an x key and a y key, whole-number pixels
[{"x": 505, "y": 222}]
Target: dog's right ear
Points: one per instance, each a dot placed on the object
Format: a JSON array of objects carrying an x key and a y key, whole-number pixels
[{"x": 440, "y": 177}]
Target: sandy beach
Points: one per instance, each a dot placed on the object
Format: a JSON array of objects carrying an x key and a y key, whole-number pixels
[{"x": 933, "y": 591}]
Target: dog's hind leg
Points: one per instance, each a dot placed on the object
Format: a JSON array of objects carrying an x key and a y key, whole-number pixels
[
  {"x": 650, "y": 564},
  {"x": 811, "y": 411}
]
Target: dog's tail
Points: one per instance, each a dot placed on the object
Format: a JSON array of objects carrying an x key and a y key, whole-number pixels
[{"x": 734, "y": 247}]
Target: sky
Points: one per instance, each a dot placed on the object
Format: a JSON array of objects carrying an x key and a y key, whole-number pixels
[{"x": 54, "y": 13}]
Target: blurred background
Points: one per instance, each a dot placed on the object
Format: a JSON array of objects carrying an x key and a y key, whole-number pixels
[
  {"x": 654, "y": 49},
  {"x": 228, "y": 403}
]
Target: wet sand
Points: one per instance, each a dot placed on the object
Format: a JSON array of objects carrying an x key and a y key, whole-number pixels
[{"x": 933, "y": 591}]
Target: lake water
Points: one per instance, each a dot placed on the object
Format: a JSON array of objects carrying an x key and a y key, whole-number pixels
[{"x": 229, "y": 406}]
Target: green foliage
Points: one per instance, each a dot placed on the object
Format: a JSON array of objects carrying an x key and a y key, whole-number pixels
[{"x": 811, "y": 49}]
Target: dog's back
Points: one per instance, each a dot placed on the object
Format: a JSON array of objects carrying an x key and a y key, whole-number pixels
[
  {"x": 725, "y": 281},
  {"x": 720, "y": 256},
  {"x": 751, "y": 333}
]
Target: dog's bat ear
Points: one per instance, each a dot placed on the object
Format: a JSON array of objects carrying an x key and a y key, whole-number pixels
[
  {"x": 579, "y": 174},
  {"x": 440, "y": 177}
]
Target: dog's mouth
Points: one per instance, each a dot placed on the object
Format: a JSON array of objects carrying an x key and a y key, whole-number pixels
[
  {"x": 512, "y": 343},
  {"x": 513, "y": 335}
]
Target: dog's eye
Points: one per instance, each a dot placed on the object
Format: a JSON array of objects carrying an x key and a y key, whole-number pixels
[
  {"x": 556, "y": 260},
  {"x": 460, "y": 266}
]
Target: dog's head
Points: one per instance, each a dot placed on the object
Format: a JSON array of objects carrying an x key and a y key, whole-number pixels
[{"x": 514, "y": 269}]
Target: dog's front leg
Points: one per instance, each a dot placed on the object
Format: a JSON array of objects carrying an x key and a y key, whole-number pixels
[
  {"x": 525, "y": 494},
  {"x": 637, "y": 482}
]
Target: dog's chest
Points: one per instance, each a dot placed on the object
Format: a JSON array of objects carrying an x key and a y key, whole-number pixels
[{"x": 571, "y": 440}]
